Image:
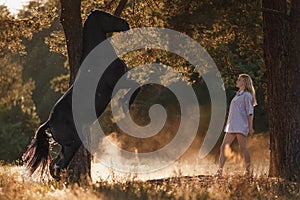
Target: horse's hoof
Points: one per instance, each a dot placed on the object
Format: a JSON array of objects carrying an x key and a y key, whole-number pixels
[{"x": 55, "y": 172}]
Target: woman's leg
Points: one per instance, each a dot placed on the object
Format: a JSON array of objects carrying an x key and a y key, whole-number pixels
[
  {"x": 228, "y": 139},
  {"x": 244, "y": 150}
]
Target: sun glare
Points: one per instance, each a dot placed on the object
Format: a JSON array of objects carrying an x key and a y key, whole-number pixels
[{"x": 14, "y": 6}]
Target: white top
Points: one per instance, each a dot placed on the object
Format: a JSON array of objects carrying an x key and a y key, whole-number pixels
[{"x": 241, "y": 106}]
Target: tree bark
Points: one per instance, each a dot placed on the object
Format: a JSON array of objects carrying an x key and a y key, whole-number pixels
[
  {"x": 282, "y": 59},
  {"x": 275, "y": 52},
  {"x": 72, "y": 24},
  {"x": 293, "y": 96},
  {"x": 79, "y": 169}
]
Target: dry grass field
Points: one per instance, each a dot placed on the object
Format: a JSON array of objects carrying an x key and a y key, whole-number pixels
[{"x": 183, "y": 182}]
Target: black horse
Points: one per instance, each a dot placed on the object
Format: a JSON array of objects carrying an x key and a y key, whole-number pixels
[{"x": 60, "y": 122}]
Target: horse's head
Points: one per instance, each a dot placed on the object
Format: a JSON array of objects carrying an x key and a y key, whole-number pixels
[
  {"x": 97, "y": 24},
  {"x": 105, "y": 22}
]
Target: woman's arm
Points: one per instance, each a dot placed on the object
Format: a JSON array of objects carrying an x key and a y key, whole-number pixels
[
  {"x": 250, "y": 124},
  {"x": 249, "y": 111}
]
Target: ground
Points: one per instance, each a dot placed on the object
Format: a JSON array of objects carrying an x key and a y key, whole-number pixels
[{"x": 183, "y": 182}]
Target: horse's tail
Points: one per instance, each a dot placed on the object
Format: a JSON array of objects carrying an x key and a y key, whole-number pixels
[{"x": 37, "y": 153}]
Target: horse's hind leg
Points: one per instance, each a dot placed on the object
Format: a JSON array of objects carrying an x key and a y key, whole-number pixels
[
  {"x": 64, "y": 158},
  {"x": 54, "y": 167},
  {"x": 68, "y": 153}
]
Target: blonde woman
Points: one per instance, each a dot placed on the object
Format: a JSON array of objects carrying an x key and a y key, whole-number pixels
[{"x": 240, "y": 120}]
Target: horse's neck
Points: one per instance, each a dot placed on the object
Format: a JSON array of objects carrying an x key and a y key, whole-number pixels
[{"x": 90, "y": 41}]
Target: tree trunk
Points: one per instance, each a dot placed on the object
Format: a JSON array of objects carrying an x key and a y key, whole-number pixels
[
  {"x": 293, "y": 96},
  {"x": 282, "y": 59},
  {"x": 79, "y": 169},
  {"x": 72, "y": 25},
  {"x": 275, "y": 49}
]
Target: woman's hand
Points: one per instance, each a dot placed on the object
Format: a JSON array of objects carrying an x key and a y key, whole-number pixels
[{"x": 251, "y": 131}]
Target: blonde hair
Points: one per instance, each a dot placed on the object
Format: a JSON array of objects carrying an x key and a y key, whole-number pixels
[{"x": 249, "y": 86}]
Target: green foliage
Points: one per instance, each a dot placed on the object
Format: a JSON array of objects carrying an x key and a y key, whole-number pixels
[
  {"x": 16, "y": 128},
  {"x": 10, "y": 32},
  {"x": 23, "y": 53},
  {"x": 13, "y": 29},
  {"x": 230, "y": 31},
  {"x": 13, "y": 90},
  {"x": 18, "y": 117},
  {"x": 60, "y": 83},
  {"x": 42, "y": 66}
]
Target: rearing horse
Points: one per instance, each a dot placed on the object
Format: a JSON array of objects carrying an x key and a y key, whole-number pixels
[{"x": 60, "y": 122}]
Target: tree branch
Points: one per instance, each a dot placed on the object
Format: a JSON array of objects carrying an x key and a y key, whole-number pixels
[{"x": 120, "y": 8}]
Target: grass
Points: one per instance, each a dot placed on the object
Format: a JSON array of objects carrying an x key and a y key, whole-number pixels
[
  {"x": 182, "y": 182},
  {"x": 15, "y": 185}
]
